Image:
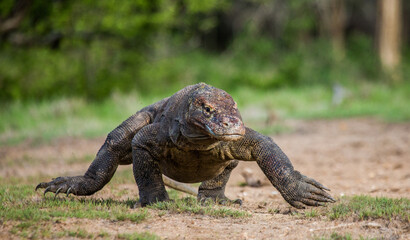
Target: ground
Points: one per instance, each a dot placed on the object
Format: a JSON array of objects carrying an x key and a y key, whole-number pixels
[{"x": 349, "y": 156}]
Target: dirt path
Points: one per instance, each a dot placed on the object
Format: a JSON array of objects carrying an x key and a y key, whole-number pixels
[{"x": 352, "y": 157}]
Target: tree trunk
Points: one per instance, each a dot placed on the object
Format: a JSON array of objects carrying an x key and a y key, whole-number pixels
[
  {"x": 14, "y": 19},
  {"x": 332, "y": 14},
  {"x": 390, "y": 14}
]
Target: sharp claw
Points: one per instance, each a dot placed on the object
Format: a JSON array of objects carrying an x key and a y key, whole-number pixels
[
  {"x": 38, "y": 186},
  {"x": 328, "y": 197},
  {"x": 68, "y": 191},
  {"x": 58, "y": 191},
  {"x": 297, "y": 204},
  {"x": 47, "y": 190},
  {"x": 314, "y": 183},
  {"x": 331, "y": 198},
  {"x": 238, "y": 201},
  {"x": 319, "y": 185},
  {"x": 325, "y": 188}
]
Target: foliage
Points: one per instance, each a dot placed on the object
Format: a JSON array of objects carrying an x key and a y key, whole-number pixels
[
  {"x": 93, "y": 49},
  {"x": 101, "y": 69},
  {"x": 46, "y": 120},
  {"x": 87, "y": 48}
]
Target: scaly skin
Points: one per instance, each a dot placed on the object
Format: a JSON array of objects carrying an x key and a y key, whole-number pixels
[{"x": 196, "y": 135}]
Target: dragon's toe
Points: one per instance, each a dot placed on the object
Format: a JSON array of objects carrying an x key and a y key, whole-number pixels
[
  {"x": 68, "y": 191},
  {"x": 57, "y": 192},
  {"x": 219, "y": 200},
  {"x": 47, "y": 190},
  {"x": 68, "y": 185}
]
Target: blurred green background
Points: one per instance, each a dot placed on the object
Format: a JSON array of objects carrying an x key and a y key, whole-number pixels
[{"x": 79, "y": 68}]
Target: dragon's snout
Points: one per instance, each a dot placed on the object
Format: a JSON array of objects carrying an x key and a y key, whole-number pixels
[{"x": 229, "y": 128}]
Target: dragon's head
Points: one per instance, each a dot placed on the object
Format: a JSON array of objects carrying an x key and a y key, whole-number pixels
[{"x": 213, "y": 114}]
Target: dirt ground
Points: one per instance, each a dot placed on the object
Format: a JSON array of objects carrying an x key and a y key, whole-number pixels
[{"x": 349, "y": 156}]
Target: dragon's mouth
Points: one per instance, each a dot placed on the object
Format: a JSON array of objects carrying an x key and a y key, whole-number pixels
[
  {"x": 212, "y": 135},
  {"x": 205, "y": 132},
  {"x": 199, "y": 137},
  {"x": 230, "y": 137},
  {"x": 210, "y": 130},
  {"x": 225, "y": 137}
]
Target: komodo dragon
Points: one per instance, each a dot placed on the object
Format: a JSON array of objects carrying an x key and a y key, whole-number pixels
[{"x": 196, "y": 135}]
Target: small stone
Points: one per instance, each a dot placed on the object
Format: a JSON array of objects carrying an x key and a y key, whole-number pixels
[
  {"x": 373, "y": 189},
  {"x": 398, "y": 166},
  {"x": 372, "y": 225},
  {"x": 250, "y": 178}
]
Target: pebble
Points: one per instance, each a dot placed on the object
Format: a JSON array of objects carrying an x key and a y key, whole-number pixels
[{"x": 373, "y": 225}]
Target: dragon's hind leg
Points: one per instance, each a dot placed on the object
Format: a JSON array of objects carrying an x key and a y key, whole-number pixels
[{"x": 214, "y": 189}]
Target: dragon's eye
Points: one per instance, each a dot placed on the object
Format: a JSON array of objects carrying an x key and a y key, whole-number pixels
[{"x": 206, "y": 108}]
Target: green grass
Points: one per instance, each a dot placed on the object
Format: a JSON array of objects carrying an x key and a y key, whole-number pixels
[
  {"x": 138, "y": 236},
  {"x": 365, "y": 207},
  {"x": 389, "y": 103},
  {"x": 79, "y": 233},
  {"x": 338, "y": 236},
  {"x": 19, "y": 203},
  {"x": 311, "y": 213},
  {"x": 360, "y": 208},
  {"x": 33, "y": 216},
  {"x": 75, "y": 117},
  {"x": 191, "y": 206},
  {"x": 68, "y": 117},
  {"x": 357, "y": 208}
]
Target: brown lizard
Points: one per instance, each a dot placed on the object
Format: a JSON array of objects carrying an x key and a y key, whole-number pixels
[{"x": 196, "y": 135}]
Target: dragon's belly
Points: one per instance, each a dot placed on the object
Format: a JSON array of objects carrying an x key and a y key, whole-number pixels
[{"x": 191, "y": 166}]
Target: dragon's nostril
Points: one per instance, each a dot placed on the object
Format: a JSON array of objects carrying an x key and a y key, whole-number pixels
[{"x": 226, "y": 122}]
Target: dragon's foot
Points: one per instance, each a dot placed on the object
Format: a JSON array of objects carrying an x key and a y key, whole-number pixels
[
  {"x": 303, "y": 191},
  {"x": 152, "y": 196},
  {"x": 138, "y": 204},
  {"x": 219, "y": 199},
  {"x": 76, "y": 185}
]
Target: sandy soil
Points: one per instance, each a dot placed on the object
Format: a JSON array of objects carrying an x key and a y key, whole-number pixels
[{"x": 350, "y": 156}]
